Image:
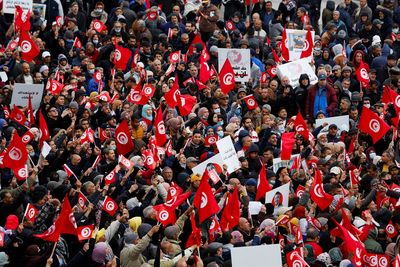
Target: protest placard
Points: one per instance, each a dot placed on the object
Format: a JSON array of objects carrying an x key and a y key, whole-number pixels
[
  {"x": 279, "y": 197},
  {"x": 21, "y": 94},
  {"x": 228, "y": 153},
  {"x": 294, "y": 69},
  {"x": 9, "y": 5},
  {"x": 240, "y": 61},
  {"x": 257, "y": 256},
  {"x": 342, "y": 122}
]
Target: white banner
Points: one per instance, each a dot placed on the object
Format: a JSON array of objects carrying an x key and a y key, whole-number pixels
[
  {"x": 277, "y": 163},
  {"x": 228, "y": 154},
  {"x": 257, "y": 256},
  {"x": 240, "y": 61},
  {"x": 296, "y": 43},
  {"x": 21, "y": 94},
  {"x": 294, "y": 69},
  {"x": 279, "y": 197},
  {"x": 9, "y": 5},
  {"x": 215, "y": 160},
  {"x": 342, "y": 122}
]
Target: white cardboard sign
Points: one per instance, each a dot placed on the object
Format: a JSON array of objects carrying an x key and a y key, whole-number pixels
[
  {"x": 21, "y": 94},
  {"x": 294, "y": 69},
  {"x": 9, "y": 5},
  {"x": 257, "y": 256},
  {"x": 240, "y": 61},
  {"x": 342, "y": 122},
  {"x": 279, "y": 197},
  {"x": 228, "y": 153}
]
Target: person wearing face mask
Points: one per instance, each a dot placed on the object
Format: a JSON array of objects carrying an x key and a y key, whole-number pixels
[{"x": 99, "y": 13}]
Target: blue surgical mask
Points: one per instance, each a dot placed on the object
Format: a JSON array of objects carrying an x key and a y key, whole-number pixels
[
  {"x": 217, "y": 110},
  {"x": 31, "y": 154},
  {"x": 91, "y": 71},
  {"x": 117, "y": 29},
  {"x": 113, "y": 147},
  {"x": 95, "y": 41},
  {"x": 220, "y": 134},
  {"x": 238, "y": 112},
  {"x": 220, "y": 123}
]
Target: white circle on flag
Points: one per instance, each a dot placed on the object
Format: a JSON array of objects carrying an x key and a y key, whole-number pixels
[
  {"x": 25, "y": 139},
  {"x": 364, "y": 74},
  {"x": 170, "y": 202},
  {"x": 23, "y": 172},
  {"x": 204, "y": 200},
  {"x": 163, "y": 215},
  {"x": 147, "y": 90},
  {"x": 318, "y": 191},
  {"x": 26, "y": 46},
  {"x": 306, "y": 45},
  {"x": 172, "y": 191},
  {"x": 161, "y": 127},
  {"x": 212, "y": 140},
  {"x": 98, "y": 76},
  {"x": 227, "y": 79},
  {"x": 251, "y": 102},
  {"x": 175, "y": 57},
  {"x": 85, "y": 232},
  {"x": 383, "y": 262},
  {"x": 15, "y": 153},
  {"x": 31, "y": 213},
  {"x": 397, "y": 101},
  {"x": 297, "y": 263},
  {"x": 110, "y": 206},
  {"x": 149, "y": 160},
  {"x": 97, "y": 26},
  {"x": 117, "y": 55},
  {"x": 374, "y": 125},
  {"x": 390, "y": 229},
  {"x": 122, "y": 138}
]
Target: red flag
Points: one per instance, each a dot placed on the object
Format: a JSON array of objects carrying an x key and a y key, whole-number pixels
[
  {"x": 52, "y": 234},
  {"x": 300, "y": 190},
  {"x": 77, "y": 43},
  {"x": 30, "y": 111},
  {"x": 396, "y": 262},
  {"x": 391, "y": 230},
  {"x": 353, "y": 178},
  {"x": 21, "y": 173},
  {"x": 231, "y": 214},
  {"x": 372, "y": 124},
  {"x": 121, "y": 57},
  {"x": 211, "y": 140},
  {"x": 205, "y": 70},
  {"x": 96, "y": 161},
  {"x": 148, "y": 90},
  {"x": 98, "y": 26},
  {"x": 54, "y": 87},
  {"x": 272, "y": 71},
  {"x": 15, "y": 155},
  {"x": 318, "y": 194},
  {"x": 377, "y": 260},
  {"x": 294, "y": 259},
  {"x": 296, "y": 163},
  {"x": 87, "y": 136},
  {"x": 394, "y": 98},
  {"x": 227, "y": 77},
  {"x": 17, "y": 115},
  {"x": 173, "y": 191},
  {"x": 22, "y": 20},
  {"x": 45, "y": 135},
  {"x": 58, "y": 21},
  {"x": 168, "y": 148},
  {"x": 125, "y": 162},
  {"x": 263, "y": 185},
  {"x": 68, "y": 171},
  {"x": 82, "y": 200},
  {"x": 137, "y": 97},
  {"x": 174, "y": 57},
  {"x": 110, "y": 206},
  {"x": 275, "y": 55},
  {"x": 196, "y": 40},
  {"x": 284, "y": 48},
  {"x": 173, "y": 96},
  {"x": 362, "y": 73},
  {"x": 308, "y": 45},
  {"x": 110, "y": 178},
  {"x": 149, "y": 159},
  {"x": 186, "y": 104},
  {"x": 351, "y": 243},
  {"x": 195, "y": 236},
  {"x": 29, "y": 48},
  {"x": 229, "y": 25},
  {"x": 300, "y": 126},
  {"x": 30, "y": 213},
  {"x": 123, "y": 138},
  {"x": 251, "y": 102},
  {"x": 386, "y": 94},
  {"x": 165, "y": 215},
  {"x": 204, "y": 199},
  {"x": 103, "y": 135},
  {"x": 97, "y": 76},
  {"x": 288, "y": 141},
  {"x": 152, "y": 15},
  {"x": 161, "y": 136},
  {"x": 12, "y": 45},
  {"x": 85, "y": 232}
]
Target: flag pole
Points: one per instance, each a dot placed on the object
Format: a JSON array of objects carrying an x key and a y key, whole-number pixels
[{"x": 52, "y": 251}]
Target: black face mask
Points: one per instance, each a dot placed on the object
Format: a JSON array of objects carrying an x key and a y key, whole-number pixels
[{"x": 388, "y": 182}]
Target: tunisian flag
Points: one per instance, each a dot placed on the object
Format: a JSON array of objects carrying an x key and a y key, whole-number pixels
[
  {"x": 44, "y": 130},
  {"x": 16, "y": 154},
  {"x": 22, "y": 20},
  {"x": 362, "y": 73},
  {"x": 84, "y": 232},
  {"x": 250, "y": 101},
  {"x": 300, "y": 126},
  {"x": 204, "y": 199},
  {"x": 161, "y": 136},
  {"x": 205, "y": 70},
  {"x": 29, "y": 48},
  {"x": 186, "y": 104},
  {"x": 372, "y": 124},
  {"x": 17, "y": 115},
  {"x": 284, "y": 48},
  {"x": 263, "y": 185},
  {"x": 110, "y": 206},
  {"x": 173, "y": 96},
  {"x": 293, "y": 258},
  {"x": 318, "y": 194},
  {"x": 123, "y": 138},
  {"x": 288, "y": 141},
  {"x": 309, "y": 45},
  {"x": 166, "y": 211},
  {"x": 227, "y": 77},
  {"x": 121, "y": 57},
  {"x": 30, "y": 213},
  {"x": 231, "y": 214}
]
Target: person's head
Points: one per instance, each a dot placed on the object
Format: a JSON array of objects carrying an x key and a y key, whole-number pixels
[
  {"x": 244, "y": 224},
  {"x": 336, "y": 15},
  {"x": 26, "y": 69},
  {"x": 322, "y": 79},
  {"x": 6, "y": 197}
]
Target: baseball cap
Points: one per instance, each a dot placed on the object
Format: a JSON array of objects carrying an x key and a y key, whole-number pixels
[
  {"x": 46, "y": 54},
  {"x": 322, "y": 76}
]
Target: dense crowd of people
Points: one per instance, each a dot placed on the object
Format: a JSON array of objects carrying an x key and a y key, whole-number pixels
[{"x": 100, "y": 172}]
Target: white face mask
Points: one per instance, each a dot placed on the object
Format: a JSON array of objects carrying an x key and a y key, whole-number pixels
[
  {"x": 367, "y": 105},
  {"x": 372, "y": 155}
]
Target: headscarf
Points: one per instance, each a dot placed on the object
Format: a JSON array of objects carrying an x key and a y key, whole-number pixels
[{"x": 144, "y": 113}]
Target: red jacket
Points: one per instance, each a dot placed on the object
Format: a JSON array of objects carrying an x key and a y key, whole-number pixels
[{"x": 331, "y": 99}]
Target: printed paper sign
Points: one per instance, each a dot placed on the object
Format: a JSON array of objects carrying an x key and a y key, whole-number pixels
[{"x": 240, "y": 61}]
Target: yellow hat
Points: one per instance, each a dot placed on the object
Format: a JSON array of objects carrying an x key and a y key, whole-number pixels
[
  {"x": 134, "y": 223},
  {"x": 195, "y": 177},
  {"x": 100, "y": 234}
]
